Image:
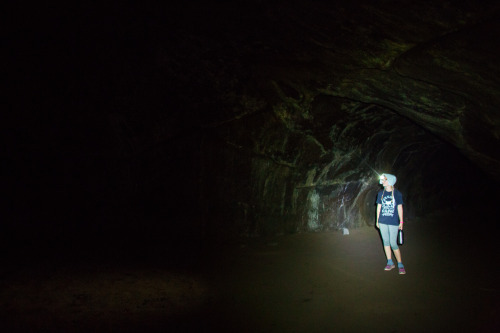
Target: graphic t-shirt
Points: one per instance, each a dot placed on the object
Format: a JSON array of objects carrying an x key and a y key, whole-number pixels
[{"x": 389, "y": 212}]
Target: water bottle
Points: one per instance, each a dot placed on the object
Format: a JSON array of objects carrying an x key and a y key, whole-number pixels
[{"x": 400, "y": 237}]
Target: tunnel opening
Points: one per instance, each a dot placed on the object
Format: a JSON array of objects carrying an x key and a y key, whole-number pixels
[{"x": 443, "y": 179}]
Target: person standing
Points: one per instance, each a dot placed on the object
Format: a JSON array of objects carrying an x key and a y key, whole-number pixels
[{"x": 390, "y": 219}]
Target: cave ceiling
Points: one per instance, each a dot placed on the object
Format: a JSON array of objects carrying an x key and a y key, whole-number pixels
[{"x": 435, "y": 64}]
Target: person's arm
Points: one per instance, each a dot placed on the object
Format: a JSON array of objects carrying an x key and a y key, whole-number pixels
[
  {"x": 400, "y": 213},
  {"x": 378, "y": 212}
]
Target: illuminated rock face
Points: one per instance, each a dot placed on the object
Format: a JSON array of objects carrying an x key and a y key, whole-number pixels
[
  {"x": 297, "y": 107},
  {"x": 265, "y": 118},
  {"x": 278, "y": 118}
]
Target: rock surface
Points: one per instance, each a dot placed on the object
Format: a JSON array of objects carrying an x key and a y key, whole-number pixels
[{"x": 250, "y": 118}]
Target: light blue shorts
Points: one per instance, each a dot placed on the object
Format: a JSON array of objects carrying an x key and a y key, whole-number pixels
[{"x": 389, "y": 235}]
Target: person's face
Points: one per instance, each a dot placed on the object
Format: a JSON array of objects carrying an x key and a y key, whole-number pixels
[{"x": 384, "y": 181}]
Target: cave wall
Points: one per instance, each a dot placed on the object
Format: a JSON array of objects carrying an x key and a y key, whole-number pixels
[
  {"x": 295, "y": 178},
  {"x": 281, "y": 124},
  {"x": 296, "y": 166},
  {"x": 201, "y": 121}
]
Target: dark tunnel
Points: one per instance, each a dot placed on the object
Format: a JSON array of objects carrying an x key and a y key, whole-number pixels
[{"x": 195, "y": 167}]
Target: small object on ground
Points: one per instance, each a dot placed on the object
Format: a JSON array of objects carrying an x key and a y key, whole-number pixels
[{"x": 345, "y": 231}]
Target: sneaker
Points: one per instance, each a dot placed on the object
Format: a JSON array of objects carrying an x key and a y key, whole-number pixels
[
  {"x": 402, "y": 270},
  {"x": 389, "y": 267}
]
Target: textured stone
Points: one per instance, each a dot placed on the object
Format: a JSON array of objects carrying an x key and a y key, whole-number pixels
[{"x": 258, "y": 117}]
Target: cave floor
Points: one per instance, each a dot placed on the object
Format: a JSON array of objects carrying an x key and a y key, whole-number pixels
[{"x": 318, "y": 282}]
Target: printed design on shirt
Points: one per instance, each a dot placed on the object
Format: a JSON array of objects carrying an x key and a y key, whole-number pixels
[{"x": 388, "y": 206}]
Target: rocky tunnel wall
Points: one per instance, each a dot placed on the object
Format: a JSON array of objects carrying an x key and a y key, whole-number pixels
[
  {"x": 272, "y": 174},
  {"x": 179, "y": 123},
  {"x": 274, "y": 118}
]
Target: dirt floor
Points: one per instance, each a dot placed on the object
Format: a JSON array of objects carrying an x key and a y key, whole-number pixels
[{"x": 319, "y": 282}]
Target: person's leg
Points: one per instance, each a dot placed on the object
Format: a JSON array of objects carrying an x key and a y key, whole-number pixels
[
  {"x": 393, "y": 234},
  {"x": 384, "y": 232},
  {"x": 401, "y": 267},
  {"x": 388, "y": 253},
  {"x": 397, "y": 254}
]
